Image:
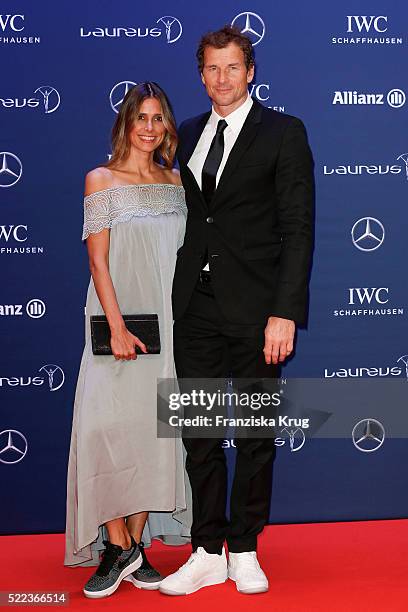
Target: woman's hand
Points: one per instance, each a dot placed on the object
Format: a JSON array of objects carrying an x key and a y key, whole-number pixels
[{"x": 123, "y": 344}]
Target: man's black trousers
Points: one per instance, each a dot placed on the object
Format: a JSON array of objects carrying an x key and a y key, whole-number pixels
[{"x": 207, "y": 346}]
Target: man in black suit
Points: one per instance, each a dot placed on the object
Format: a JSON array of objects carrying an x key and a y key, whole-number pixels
[{"x": 240, "y": 287}]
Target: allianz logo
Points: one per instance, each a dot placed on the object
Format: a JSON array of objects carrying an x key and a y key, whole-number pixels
[
  {"x": 11, "y": 310},
  {"x": 353, "y": 97},
  {"x": 34, "y": 308},
  {"x": 395, "y": 98}
]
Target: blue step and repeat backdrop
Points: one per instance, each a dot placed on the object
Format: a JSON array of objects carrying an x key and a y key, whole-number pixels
[{"x": 65, "y": 70}]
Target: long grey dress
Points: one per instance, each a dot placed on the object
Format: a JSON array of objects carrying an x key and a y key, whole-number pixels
[{"x": 117, "y": 466}]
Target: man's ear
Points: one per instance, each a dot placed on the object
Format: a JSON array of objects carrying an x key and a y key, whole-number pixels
[
  {"x": 202, "y": 78},
  {"x": 250, "y": 73}
]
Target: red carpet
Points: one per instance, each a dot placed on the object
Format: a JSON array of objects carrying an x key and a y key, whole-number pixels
[{"x": 329, "y": 567}]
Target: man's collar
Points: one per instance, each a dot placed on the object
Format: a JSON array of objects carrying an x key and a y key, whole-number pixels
[{"x": 235, "y": 119}]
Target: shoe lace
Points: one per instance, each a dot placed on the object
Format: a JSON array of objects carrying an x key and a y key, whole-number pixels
[
  {"x": 109, "y": 556},
  {"x": 187, "y": 568}
]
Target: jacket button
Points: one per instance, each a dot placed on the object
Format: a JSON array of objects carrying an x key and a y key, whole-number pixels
[{"x": 210, "y": 220}]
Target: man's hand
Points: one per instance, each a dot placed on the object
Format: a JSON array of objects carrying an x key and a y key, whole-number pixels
[{"x": 279, "y": 336}]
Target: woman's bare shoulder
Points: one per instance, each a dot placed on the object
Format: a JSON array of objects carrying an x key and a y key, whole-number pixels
[
  {"x": 98, "y": 179},
  {"x": 173, "y": 176}
]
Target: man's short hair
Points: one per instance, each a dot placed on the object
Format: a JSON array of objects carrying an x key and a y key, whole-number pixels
[{"x": 220, "y": 39}]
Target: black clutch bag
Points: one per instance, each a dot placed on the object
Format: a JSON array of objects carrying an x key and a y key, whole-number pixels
[{"x": 144, "y": 326}]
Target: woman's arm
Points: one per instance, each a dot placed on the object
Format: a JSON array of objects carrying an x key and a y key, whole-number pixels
[
  {"x": 122, "y": 341},
  {"x": 98, "y": 254}
]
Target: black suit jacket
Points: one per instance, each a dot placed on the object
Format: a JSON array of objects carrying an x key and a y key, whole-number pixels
[{"x": 258, "y": 229}]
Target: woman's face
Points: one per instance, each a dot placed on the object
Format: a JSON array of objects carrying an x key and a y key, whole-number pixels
[{"x": 148, "y": 130}]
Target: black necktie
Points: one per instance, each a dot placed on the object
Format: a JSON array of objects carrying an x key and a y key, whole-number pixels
[{"x": 212, "y": 162}]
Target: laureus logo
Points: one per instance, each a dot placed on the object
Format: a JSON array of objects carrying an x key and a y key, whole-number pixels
[
  {"x": 52, "y": 377},
  {"x": 173, "y": 28},
  {"x": 404, "y": 363},
  {"x": 47, "y": 99},
  {"x": 296, "y": 437},
  {"x": 56, "y": 376},
  {"x": 369, "y": 169},
  {"x": 404, "y": 159},
  {"x": 50, "y": 98}
]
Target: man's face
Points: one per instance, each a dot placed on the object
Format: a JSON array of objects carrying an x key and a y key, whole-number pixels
[{"x": 225, "y": 76}]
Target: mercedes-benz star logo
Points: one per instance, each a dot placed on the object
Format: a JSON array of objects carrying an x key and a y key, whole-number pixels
[
  {"x": 250, "y": 24},
  {"x": 56, "y": 376},
  {"x": 368, "y": 435},
  {"x": 367, "y": 234},
  {"x": 118, "y": 92},
  {"x": 13, "y": 446},
  {"x": 297, "y": 438},
  {"x": 11, "y": 169},
  {"x": 404, "y": 158},
  {"x": 51, "y": 98},
  {"x": 172, "y": 33}
]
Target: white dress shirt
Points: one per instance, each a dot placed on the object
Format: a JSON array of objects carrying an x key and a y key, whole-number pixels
[{"x": 235, "y": 121}]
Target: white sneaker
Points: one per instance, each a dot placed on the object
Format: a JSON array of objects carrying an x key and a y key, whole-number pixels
[
  {"x": 202, "y": 569},
  {"x": 245, "y": 571}
]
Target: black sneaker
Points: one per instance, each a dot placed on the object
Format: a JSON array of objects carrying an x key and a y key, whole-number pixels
[
  {"x": 146, "y": 577},
  {"x": 116, "y": 564}
]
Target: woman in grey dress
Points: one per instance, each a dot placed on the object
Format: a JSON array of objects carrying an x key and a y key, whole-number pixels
[{"x": 119, "y": 471}]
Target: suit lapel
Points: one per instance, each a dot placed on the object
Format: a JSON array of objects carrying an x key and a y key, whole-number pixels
[{"x": 245, "y": 138}]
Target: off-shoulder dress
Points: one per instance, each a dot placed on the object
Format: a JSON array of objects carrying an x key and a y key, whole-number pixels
[{"x": 117, "y": 465}]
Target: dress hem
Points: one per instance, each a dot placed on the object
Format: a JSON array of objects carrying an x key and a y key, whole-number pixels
[{"x": 83, "y": 557}]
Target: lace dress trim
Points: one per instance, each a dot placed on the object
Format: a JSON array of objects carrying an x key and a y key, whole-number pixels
[{"x": 119, "y": 204}]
